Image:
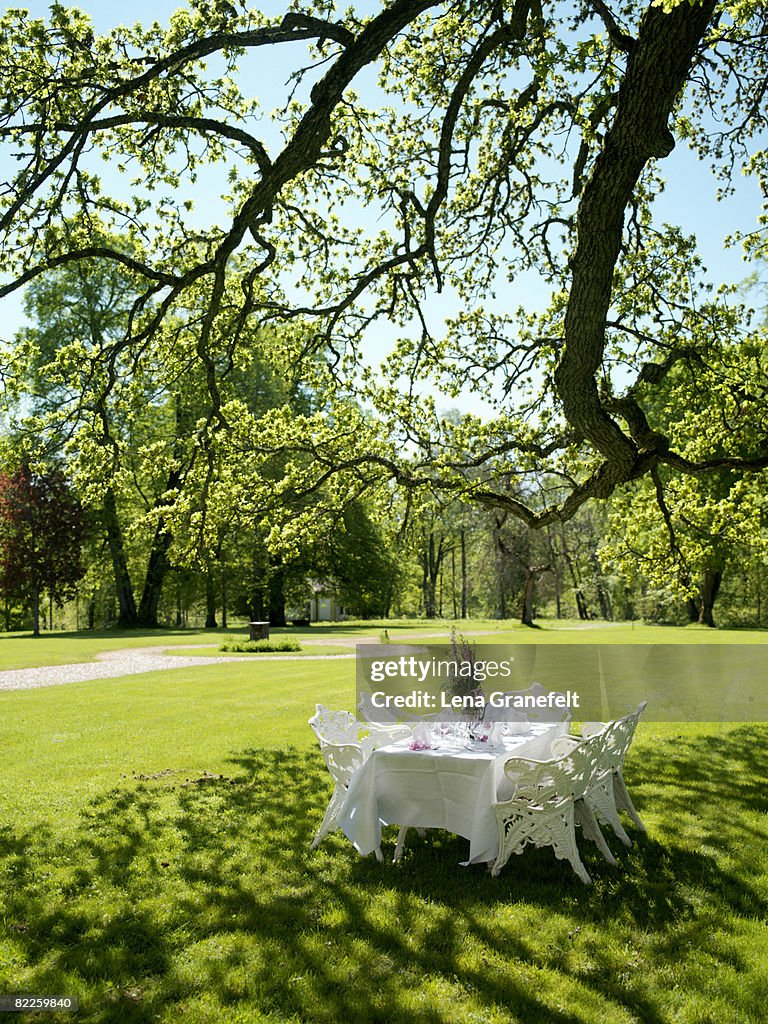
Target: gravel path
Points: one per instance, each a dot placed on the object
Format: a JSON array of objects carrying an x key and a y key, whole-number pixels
[
  {"x": 129, "y": 662},
  {"x": 112, "y": 664}
]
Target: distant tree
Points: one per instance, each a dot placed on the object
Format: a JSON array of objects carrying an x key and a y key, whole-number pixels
[
  {"x": 42, "y": 529},
  {"x": 361, "y": 564},
  {"x": 129, "y": 428},
  {"x": 686, "y": 533},
  {"x": 77, "y": 316}
]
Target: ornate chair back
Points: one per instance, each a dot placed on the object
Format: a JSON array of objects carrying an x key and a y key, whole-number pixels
[
  {"x": 380, "y": 723},
  {"x": 539, "y": 784},
  {"x": 583, "y": 761},
  {"x": 343, "y": 750},
  {"x": 370, "y": 713},
  {"x": 540, "y": 811},
  {"x": 618, "y": 738},
  {"x": 342, "y": 760},
  {"x": 334, "y": 726},
  {"x": 610, "y": 795}
]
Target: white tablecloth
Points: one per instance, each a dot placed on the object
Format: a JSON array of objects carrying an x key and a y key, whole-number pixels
[{"x": 445, "y": 787}]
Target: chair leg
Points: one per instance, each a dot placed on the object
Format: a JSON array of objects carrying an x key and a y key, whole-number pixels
[
  {"x": 498, "y": 864},
  {"x": 328, "y": 823},
  {"x": 508, "y": 841},
  {"x": 580, "y": 870},
  {"x": 591, "y": 830},
  {"x": 327, "y": 826},
  {"x": 624, "y": 802},
  {"x": 502, "y": 856},
  {"x": 562, "y": 839},
  {"x": 400, "y": 844},
  {"x": 601, "y": 800}
]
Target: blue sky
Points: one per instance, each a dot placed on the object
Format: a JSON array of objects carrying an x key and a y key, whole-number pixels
[{"x": 689, "y": 199}]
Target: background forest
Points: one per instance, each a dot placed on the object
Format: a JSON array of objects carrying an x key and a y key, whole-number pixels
[{"x": 81, "y": 549}]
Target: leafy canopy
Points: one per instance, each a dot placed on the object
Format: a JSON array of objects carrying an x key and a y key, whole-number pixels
[{"x": 420, "y": 149}]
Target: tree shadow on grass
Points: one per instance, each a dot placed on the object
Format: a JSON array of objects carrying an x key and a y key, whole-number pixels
[
  {"x": 196, "y": 899},
  {"x": 729, "y": 767}
]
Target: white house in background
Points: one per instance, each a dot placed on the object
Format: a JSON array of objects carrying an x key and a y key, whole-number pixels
[{"x": 322, "y": 604}]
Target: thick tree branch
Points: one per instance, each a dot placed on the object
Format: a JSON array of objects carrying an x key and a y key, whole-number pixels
[
  {"x": 204, "y": 125},
  {"x": 620, "y": 39},
  {"x": 657, "y": 70},
  {"x": 91, "y": 252}
]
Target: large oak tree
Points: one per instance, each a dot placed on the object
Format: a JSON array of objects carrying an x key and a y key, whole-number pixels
[{"x": 499, "y": 137}]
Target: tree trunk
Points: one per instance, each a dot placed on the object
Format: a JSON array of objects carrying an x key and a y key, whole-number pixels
[
  {"x": 454, "y": 606},
  {"x": 582, "y": 609},
  {"x": 257, "y": 603},
  {"x": 277, "y": 596},
  {"x": 36, "y": 613},
  {"x": 431, "y": 562},
  {"x": 692, "y": 609},
  {"x": 159, "y": 563},
  {"x": 658, "y": 66},
  {"x": 210, "y": 598},
  {"x": 532, "y": 573},
  {"x": 463, "y": 573},
  {"x": 556, "y": 574},
  {"x": 603, "y": 598},
  {"x": 710, "y": 585},
  {"x": 127, "y": 615},
  {"x": 528, "y": 592},
  {"x": 504, "y": 556},
  {"x": 179, "y": 610},
  {"x": 430, "y": 600},
  {"x": 758, "y": 598},
  {"x": 157, "y": 569},
  {"x": 629, "y": 607}
]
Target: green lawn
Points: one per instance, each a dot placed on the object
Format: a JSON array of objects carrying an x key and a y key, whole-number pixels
[
  {"x": 21, "y": 650},
  {"x": 154, "y": 852}
]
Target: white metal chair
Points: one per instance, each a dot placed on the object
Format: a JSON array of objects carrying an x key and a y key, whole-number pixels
[
  {"x": 338, "y": 727},
  {"x": 585, "y": 760},
  {"x": 342, "y": 761},
  {"x": 381, "y": 734},
  {"x": 344, "y": 747},
  {"x": 609, "y": 795},
  {"x": 540, "y": 812}
]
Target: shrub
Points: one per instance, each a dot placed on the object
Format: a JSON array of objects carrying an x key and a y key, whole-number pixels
[{"x": 260, "y": 646}]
